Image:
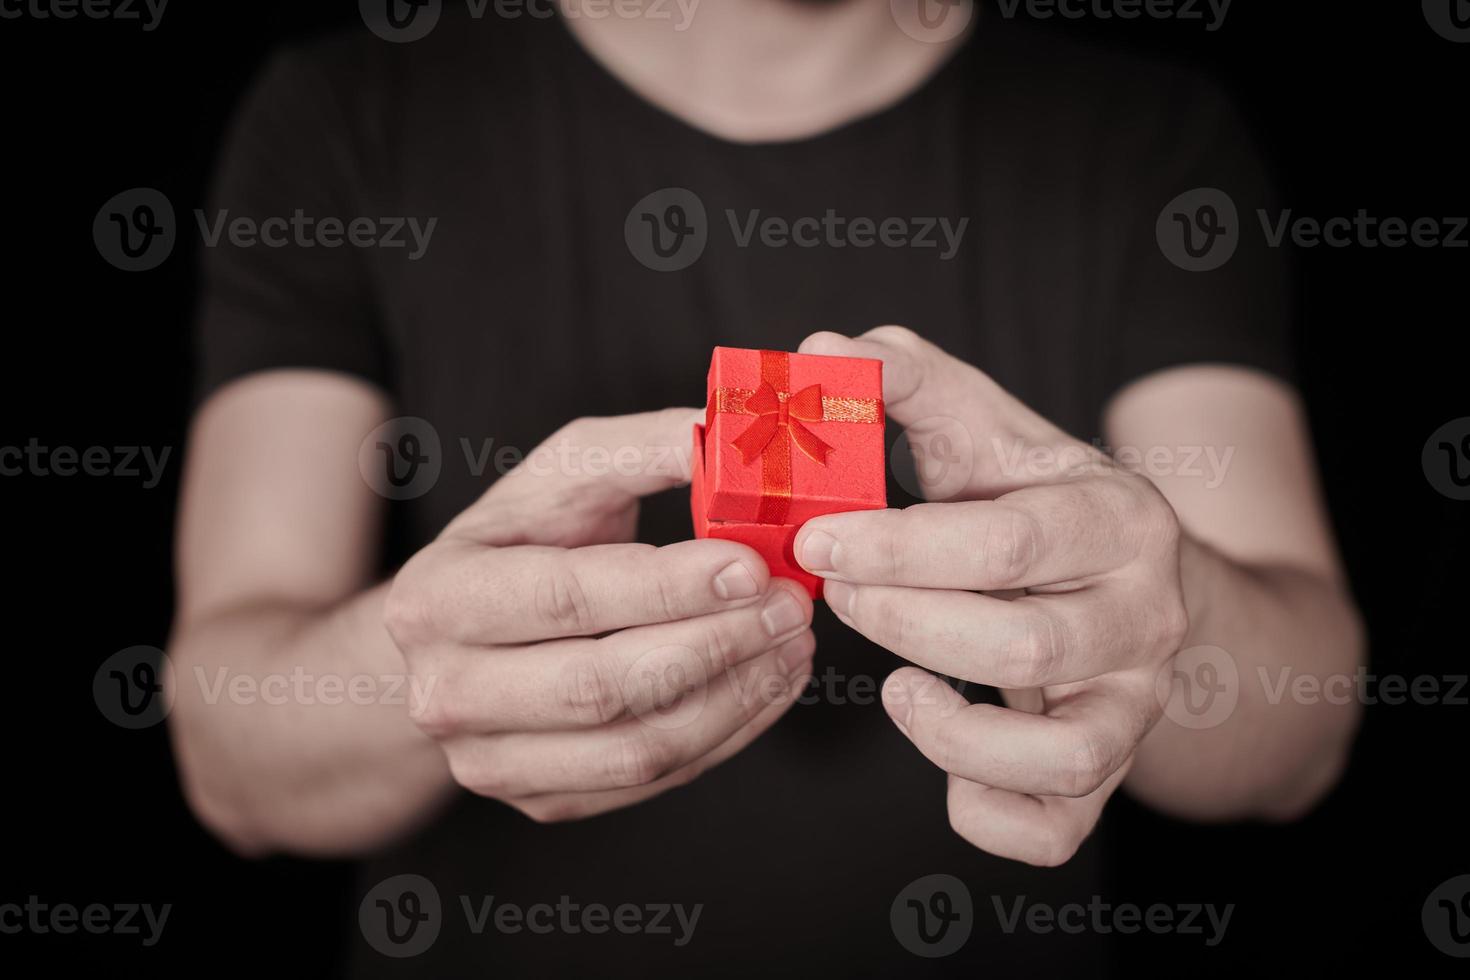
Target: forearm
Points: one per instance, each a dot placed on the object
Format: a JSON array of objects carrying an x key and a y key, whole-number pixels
[
  {"x": 292, "y": 728},
  {"x": 1275, "y": 754}
]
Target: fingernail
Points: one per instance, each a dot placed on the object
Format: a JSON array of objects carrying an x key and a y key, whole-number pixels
[
  {"x": 817, "y": 551},
  {"x": 782, "y": 613},
  {"x": 735, "y": 582},
  {"x": 898, "y": 700},
  {"x": 839, "y": 599}
]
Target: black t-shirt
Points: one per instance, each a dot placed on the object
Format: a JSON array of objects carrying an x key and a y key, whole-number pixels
[{"x": 536, "y": 302}]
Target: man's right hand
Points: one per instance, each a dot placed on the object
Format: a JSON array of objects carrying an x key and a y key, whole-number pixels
[{"x": 571, "y": 672}]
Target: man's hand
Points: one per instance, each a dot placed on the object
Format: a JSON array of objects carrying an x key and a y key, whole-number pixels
[
  {"x": 573, "y": 673},
  {"x": 1040, "y": 568}
]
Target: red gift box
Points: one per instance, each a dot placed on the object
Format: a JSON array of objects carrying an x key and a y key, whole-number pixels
[{"x": 786, "y": 437}]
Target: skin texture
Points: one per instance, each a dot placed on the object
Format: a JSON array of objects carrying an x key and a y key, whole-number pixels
[{"x": 1069, "y": 588}]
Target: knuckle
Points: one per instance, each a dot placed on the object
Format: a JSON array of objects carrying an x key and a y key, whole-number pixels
[
  {"x": 560, "y": 603},
  {"x": 1055, "y": 848},
  {"x": 1034, "y": 652},
  {"x": 721, "y": 645},
  {"x": 1085, "y": 768},
  {"x": 957, "y": 821},
  {"x": 1173, "y": 624},
  {"x": 588, "y": 694},
  {"x": 1012, "y": 546},
  {"x": 439, "y": 714},
  {"x": 892, "y": 333},
  {"x": 637, "y": 760},
  {"x": 1149, "y": 509},
  {"x": 406, "y": 616}
]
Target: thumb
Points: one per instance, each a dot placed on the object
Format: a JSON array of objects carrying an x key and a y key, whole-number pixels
[
  {"x": 590, "y": 468},
  {"x": 968, "y": 435}
]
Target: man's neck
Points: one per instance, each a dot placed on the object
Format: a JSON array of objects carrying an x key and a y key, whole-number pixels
[{"x": 763, "y": 70}]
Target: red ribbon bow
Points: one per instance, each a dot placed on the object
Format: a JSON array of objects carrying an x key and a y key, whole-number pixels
[{"x": 783, "y": 417}]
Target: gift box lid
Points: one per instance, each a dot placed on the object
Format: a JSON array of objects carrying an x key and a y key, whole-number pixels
[{"x": 792, "y": 436}]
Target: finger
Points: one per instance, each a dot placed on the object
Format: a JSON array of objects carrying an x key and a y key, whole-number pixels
[
  {"x": 1045, "y": 831},
  {"x": 1071, "y": 751},
  {"x": 1031, "y": 641},
  {"x": 636, "y": 751},
  {"x": 579, "y": 684},
  {"x": 594, "y": 463},
  {"x": 939, "y": 398},
  {"x": 529, "y": 593},
  {"x": 554, "y": 807},
  {"x": 1036, "y": 536}
]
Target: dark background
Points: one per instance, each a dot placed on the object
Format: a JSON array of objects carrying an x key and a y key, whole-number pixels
[{"x": 1357, "y": 110}]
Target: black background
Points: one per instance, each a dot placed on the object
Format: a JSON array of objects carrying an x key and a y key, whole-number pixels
[{"x": 1358, "y": 108}]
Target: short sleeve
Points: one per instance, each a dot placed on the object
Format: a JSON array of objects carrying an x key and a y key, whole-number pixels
[
  {"x": 278, "y": 297},
  {"x": 1202, "y": 182}
]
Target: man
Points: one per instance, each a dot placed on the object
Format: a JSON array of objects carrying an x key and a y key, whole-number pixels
[{"x": 574, "y": 690}]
